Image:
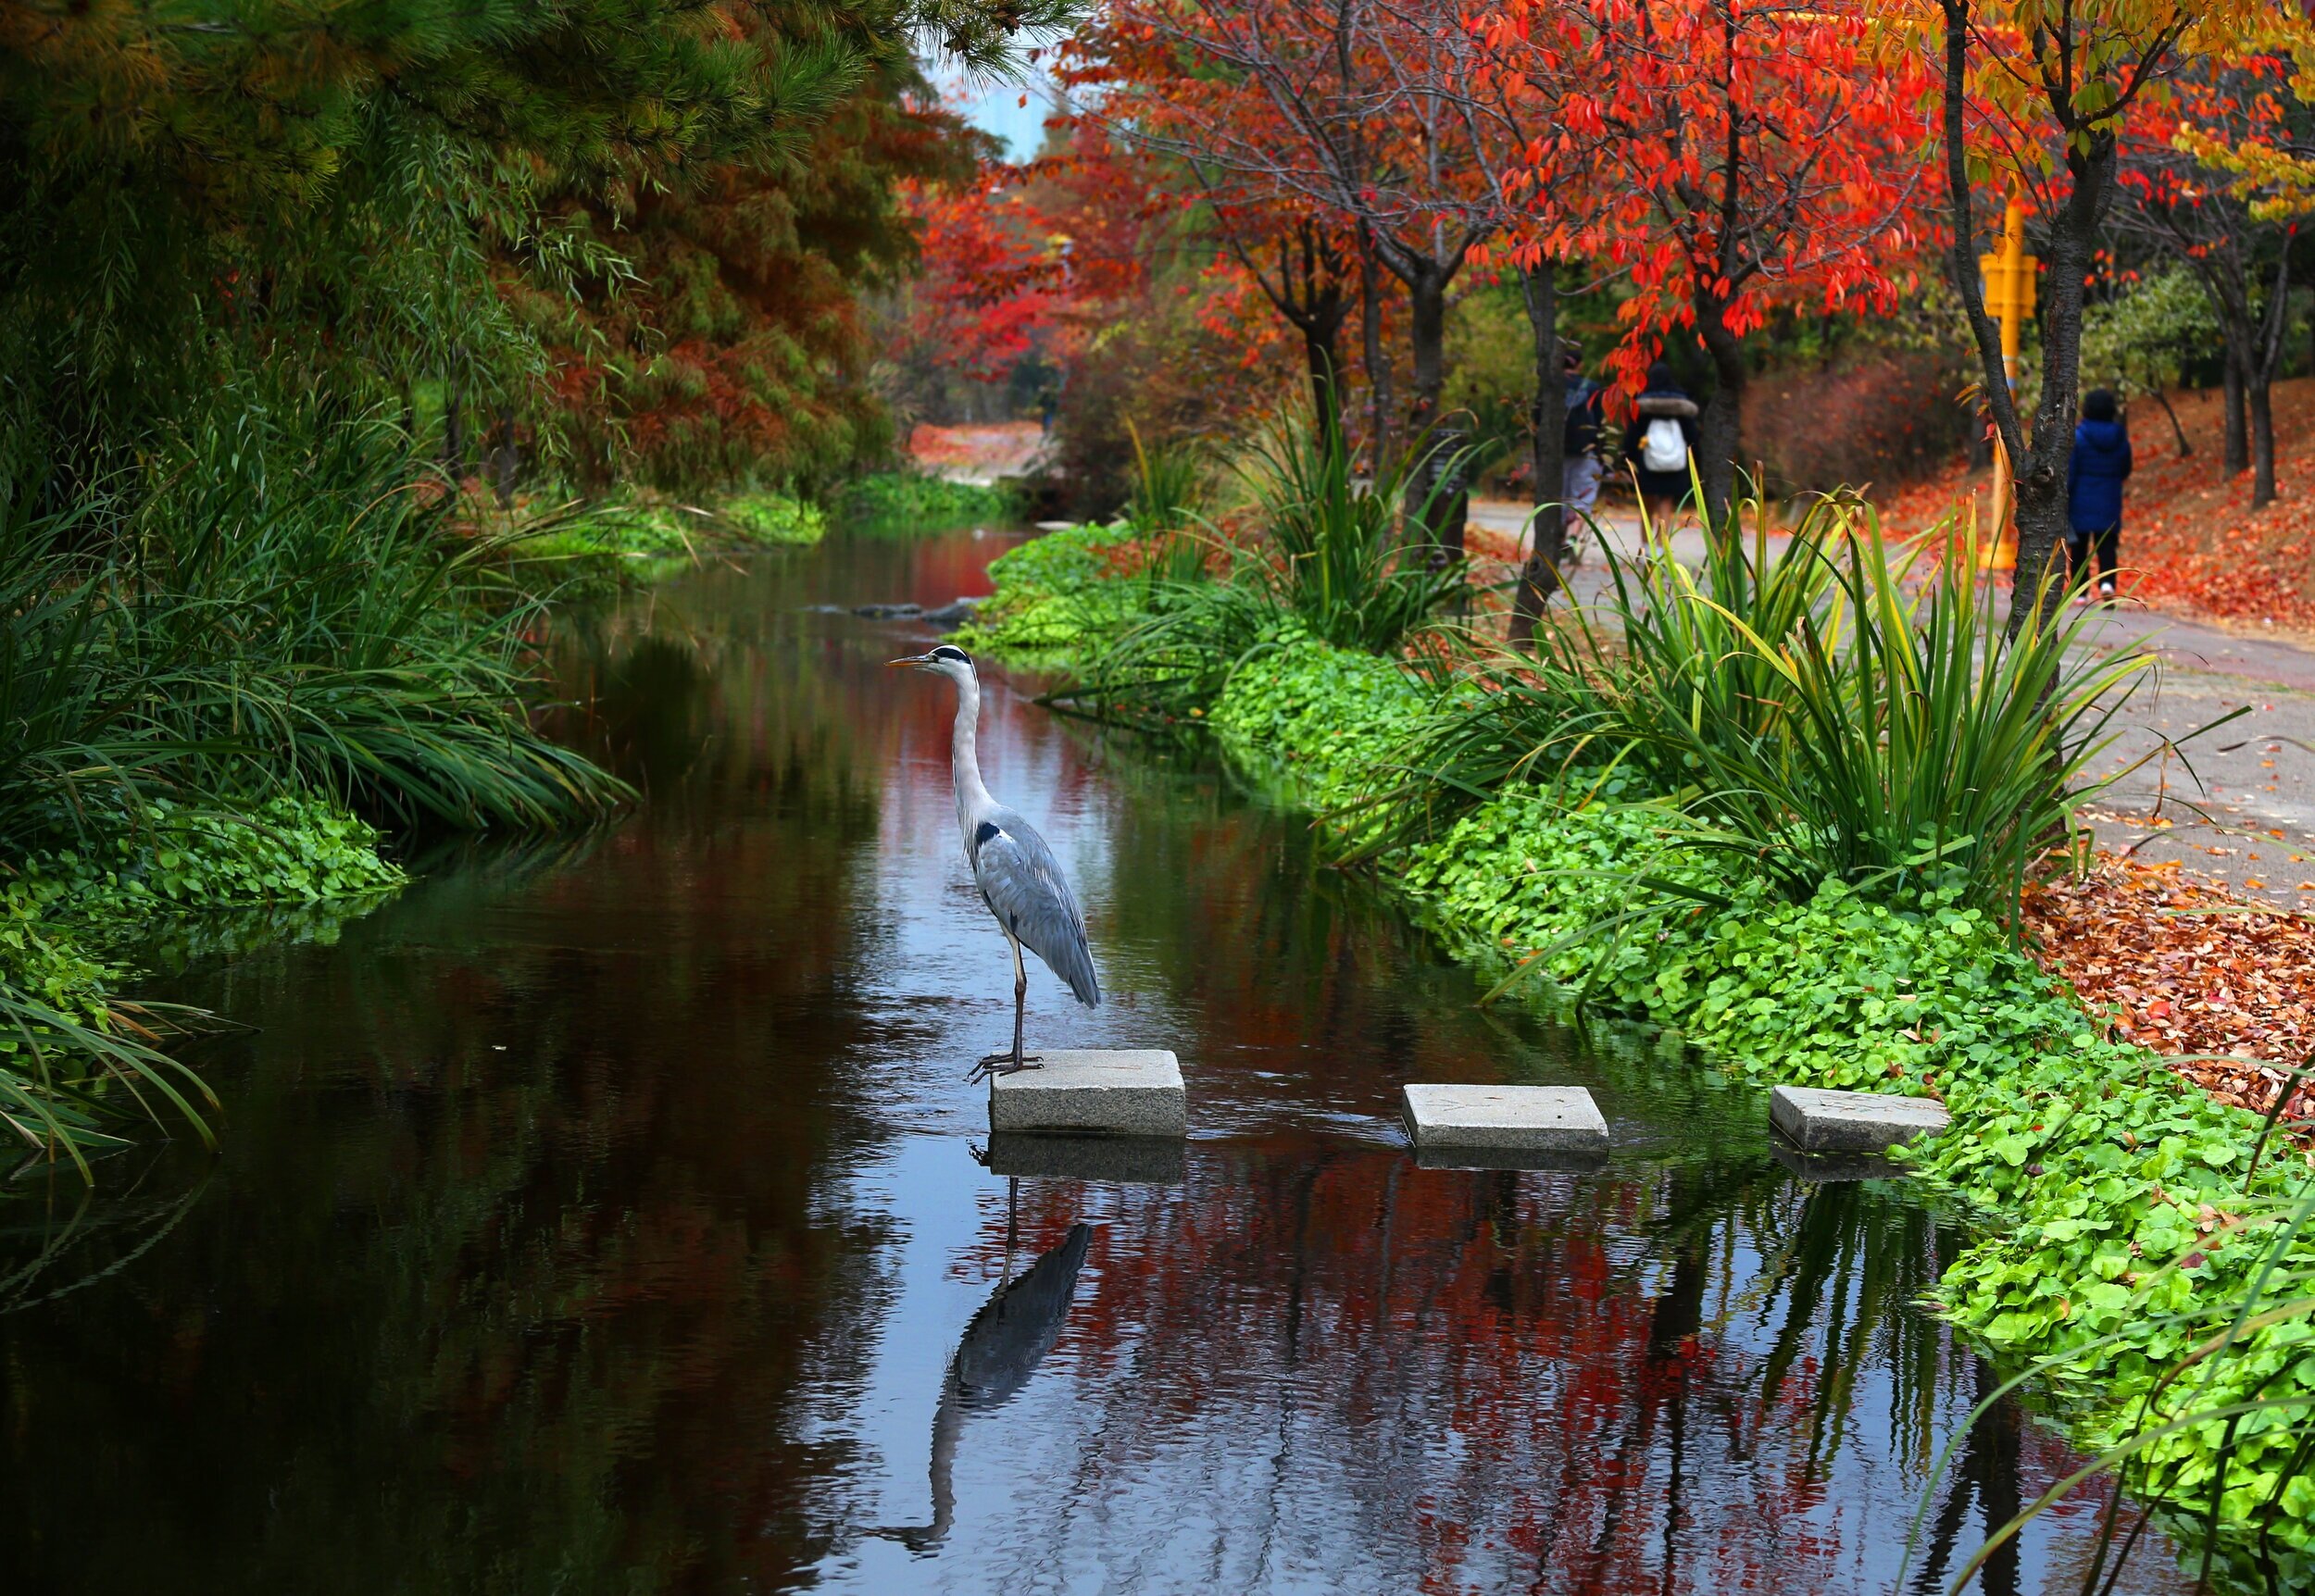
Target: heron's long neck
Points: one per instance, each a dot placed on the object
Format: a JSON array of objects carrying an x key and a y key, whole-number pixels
[{"x": 965, "y": 758}]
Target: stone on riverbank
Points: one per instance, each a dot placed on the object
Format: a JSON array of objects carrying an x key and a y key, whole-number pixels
[
  {"x": 1819, "y": 1121},
  {"x": 1101, "y": 1092},
  {"x": 1504, "y": 1120}
]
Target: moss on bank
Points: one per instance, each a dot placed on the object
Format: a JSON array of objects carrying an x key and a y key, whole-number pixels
[
  {"x": 76, "y": 916},
  {"x": 914, "y": 500},
  {"x": 1054, "y": 595},
  {"x": 642, "y": 540}
]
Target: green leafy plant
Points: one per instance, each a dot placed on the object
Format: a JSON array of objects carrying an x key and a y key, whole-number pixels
[
  {"x": 2131, "y": 1219},
  {"x": 1057, "y": 595},
  {"x": 1890, "y": 738},
  {"x": 769, "y": 517},
  {"x": 1331, "y": 558},
  {"x": 1326, "y": 565},
  {"x": 914, "y": 501}
]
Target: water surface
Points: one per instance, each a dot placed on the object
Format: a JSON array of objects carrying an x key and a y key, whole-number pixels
[{"x": 609, "y": 1215}]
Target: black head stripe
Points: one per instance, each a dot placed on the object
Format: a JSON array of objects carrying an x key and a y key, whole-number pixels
[{"x": 949, "y": 651}]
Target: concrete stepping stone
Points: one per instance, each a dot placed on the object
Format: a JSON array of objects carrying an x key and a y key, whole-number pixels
[
  {"x": 1130, "y": 1160},
  {"x": 1539, "y": 1160},
  {"x": 1504, "y": 1126},
  {"x": 1817, "y": 1121},
  {"x": 1831, "y": 1168},
  {"x": 1104, "y": 1091}
]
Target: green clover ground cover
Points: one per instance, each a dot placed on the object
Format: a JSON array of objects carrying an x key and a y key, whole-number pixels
[
  {"x": 1054, "y": 597},
  {"x": 2126, "y": 1222},
  {"x": 67, "y": 913},
  {"x": 2123, "y": 1222},
  {"x": 914, "y": 500}
]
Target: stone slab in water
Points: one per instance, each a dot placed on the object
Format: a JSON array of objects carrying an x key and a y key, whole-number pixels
[
  {"x": 1505, "y": 1118},
  {"x": 1824, "y": 1168},
  {"x": 1135, "y": 1160},
  {"x": 1545, "y": 1160},
  {"x": 1819, "y": 1121},
  {"x": 1103, "y": 1092}
]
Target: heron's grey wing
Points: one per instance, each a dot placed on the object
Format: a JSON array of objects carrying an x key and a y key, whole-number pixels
[{"x": 1024, "y": 888}]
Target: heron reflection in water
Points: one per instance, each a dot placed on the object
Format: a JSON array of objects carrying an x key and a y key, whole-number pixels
[
  {"x": 1020, "y": 880},
  {"x": 1000, "y": 1351}
]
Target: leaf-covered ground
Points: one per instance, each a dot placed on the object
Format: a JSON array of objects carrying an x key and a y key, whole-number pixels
[
  {"x": 2225, "y": 989},
  {"x": 2191, "y": 543}
]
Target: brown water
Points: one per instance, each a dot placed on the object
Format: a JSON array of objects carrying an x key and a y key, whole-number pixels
[{"x": 604, "y": 1217}]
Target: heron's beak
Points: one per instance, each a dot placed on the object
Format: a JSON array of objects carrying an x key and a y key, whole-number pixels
[{"x": 912, "y": 659}]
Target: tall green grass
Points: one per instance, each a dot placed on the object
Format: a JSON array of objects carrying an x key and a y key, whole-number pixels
[
  {"x": 1325, "y": 561},
  {"x": 1828, "y": 705},
  {"x": 286, "y": 610},
  {"x": 1166, "y": 513},
  {"x": 279, "y": 606}
]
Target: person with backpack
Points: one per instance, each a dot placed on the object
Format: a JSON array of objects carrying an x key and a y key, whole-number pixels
[
  {"x": 1659, "y": 442},
  {"x": 1581, "y": 464},
  {"x": 2101, "y": 464}
]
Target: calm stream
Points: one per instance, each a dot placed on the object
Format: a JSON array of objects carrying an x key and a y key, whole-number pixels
[{"x": 604, "y": 1217}]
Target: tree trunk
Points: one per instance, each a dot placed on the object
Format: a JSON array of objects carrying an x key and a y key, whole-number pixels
[
  {"x": 1716, "y": 428},
  {"x": 1432, "y": 501},
  {"x": 2042, "y": 458},
  {"x": 1539, "y": 577},
  {"x": 1426, "y": 330},
  {"x": 2238, "y": 448},
  {"x": 506, "y": 458},
  {"x": 2263, "y": 429},
  {"x": 2041, "y": 482},
  {"x": 2178, "y": 430},
  {"x": 2267, "y": 359},
  {"x": 1378, "y": 364}
]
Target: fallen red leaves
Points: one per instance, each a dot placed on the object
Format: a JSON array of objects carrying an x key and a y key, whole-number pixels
[
  {"x": 997, "y": 449},
  {"x": 2185, "y": 970},
  {"x": 2190, "y": 543}
]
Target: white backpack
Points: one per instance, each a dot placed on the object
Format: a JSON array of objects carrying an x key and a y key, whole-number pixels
[{"x": 1664, "y": 447}]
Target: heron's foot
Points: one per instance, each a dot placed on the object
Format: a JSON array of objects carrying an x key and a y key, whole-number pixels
[{"x": 1003, "y": 1063}]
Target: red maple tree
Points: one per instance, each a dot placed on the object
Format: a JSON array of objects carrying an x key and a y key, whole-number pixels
[{"x": 1765, "y": 157}]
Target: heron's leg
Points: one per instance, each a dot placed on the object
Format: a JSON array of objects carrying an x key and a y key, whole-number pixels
[{"x": 1007, "y": 1063}]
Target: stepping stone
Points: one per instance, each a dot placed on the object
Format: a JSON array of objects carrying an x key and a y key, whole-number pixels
[
  {"x": 1499, "y": 1120},
  {"x": 1103, "y": 1092},
  {"x": 1819, "y": 1121},
  {"x": 1132, "y": 1159},
  {"x": 1828, "y": 1168},
  {"x": 1543, "y": 1160}
]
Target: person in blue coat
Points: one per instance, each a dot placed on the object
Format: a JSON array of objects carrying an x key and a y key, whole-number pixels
[{"x": 2094, "y": 488}]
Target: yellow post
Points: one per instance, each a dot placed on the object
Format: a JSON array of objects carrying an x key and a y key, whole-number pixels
[{"x": 2009, "y": 274}]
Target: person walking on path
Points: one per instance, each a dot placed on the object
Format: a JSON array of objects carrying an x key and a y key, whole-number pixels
[
  {"x": 1661, "y": 441},
  {"x": 1580, "y": 442},
  {"x": 2094, "y": 490},
  {"x": 1581, "y": 463}
]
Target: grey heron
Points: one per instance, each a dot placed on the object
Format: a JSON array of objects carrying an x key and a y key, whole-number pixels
[{"x": 1020, "y": 880}]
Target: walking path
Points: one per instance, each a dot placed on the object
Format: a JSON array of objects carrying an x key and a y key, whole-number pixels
[{"x": 2237, "y": 803}]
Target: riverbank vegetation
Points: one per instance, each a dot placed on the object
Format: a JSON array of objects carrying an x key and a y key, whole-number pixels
[
  {"x": 334, "y": 344},
  {"x": 1783, "y": 805}
]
